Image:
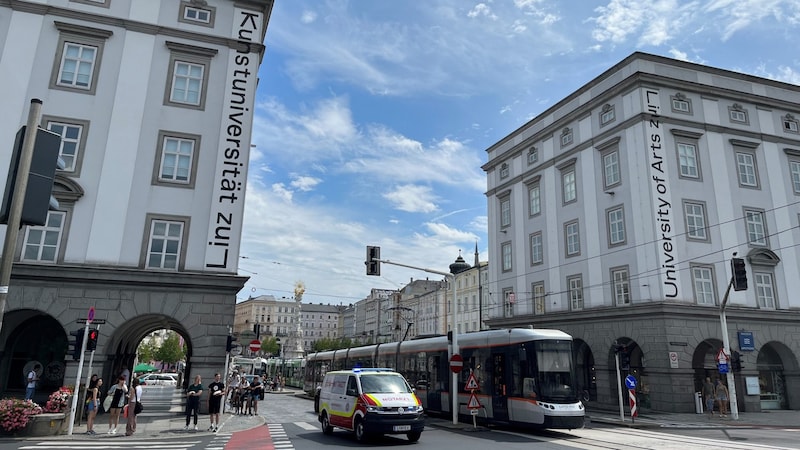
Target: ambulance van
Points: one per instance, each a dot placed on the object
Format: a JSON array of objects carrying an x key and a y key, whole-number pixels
[{"x": 370, "y": 402}]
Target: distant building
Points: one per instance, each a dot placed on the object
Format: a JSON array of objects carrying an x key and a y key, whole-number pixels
[{"x": 614, "y": 215}]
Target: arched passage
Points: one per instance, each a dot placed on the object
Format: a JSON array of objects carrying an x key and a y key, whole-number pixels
[
  {"x": 774, "y": 360},
  {"x": 704, "y": 362},
  {"x": 586, "y": 376}
]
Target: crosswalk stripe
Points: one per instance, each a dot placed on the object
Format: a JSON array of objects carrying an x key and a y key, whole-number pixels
[{"x": 306, "y": 426}]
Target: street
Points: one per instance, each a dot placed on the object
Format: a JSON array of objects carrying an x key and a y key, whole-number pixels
[{"x": 292, "y": 425}]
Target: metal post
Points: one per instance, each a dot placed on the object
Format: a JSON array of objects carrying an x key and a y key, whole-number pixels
[
  {"x": 726, "y": 348},
  {"x": 453, "y": 327},
  {"x": 619, "y": 386},
  {"x": 77, "y": 381},
  {"x": 17, "y": 202}
]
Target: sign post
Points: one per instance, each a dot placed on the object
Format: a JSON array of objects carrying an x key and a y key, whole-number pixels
[
  {"x": 630, "y": 383},
  {"x": 255, "y": 345},
  {"x": 473, "y": 404},
  {"x": 456, "y": 363},
  {"x": 75, "y": 395}
]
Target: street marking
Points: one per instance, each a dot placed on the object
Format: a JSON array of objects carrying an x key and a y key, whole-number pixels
[{"x": 306, "y": 426}]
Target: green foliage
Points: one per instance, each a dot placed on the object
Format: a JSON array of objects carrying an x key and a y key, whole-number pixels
[
  {"x": 170, "y": 350},
  {"x": 326, "y": 344},
  {"x": 147, "y": 351},
  {"x": 270, "y": 345}
]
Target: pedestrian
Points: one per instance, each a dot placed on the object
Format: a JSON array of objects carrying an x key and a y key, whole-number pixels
[
  {"x": 709, "y": 396},
  {"x": 233, "y": 388},
  {"x": 193, "y": 401},
  {"x": 244, "y": 391},
  {"x": 94, "y": 404},
  {"x": 216, "y": 392},
  {"x": 722, "y": 398},
  {"x": 256, "y": 391},
  {"x": 118, "y": 394},
  {"x": 92, "y": 383},
  {"x": 33, "y": 378},
  {"x": 134, "y": 407}
]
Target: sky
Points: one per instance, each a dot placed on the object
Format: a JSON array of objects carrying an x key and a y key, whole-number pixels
[{"x": 373, "y": 118}]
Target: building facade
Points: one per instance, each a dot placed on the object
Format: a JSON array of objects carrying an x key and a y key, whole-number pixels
[
  {"x": 614, "y": 216},
  {"x": 320, "y": 322},
  {"x": 153, "y": 102}
]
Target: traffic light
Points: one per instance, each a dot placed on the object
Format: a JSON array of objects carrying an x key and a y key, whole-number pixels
[
  {"x": 229, "y": 345},
  {"x": 77, "y": 343},
  {"x": 624, "y": 359},
  {"x": 373, "y": 265},
  {"x": 39, "y": 190},
  {"x": 91, "y": 342},
  {"x": 736, "y": 361},
  {"x": 739, "y": 274}
]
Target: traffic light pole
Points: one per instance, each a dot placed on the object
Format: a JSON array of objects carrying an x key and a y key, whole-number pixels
[
  {"x": 17, "y": 202},
  {"x": 726, "y": 348},
  {"x": 75, "y": 395}
]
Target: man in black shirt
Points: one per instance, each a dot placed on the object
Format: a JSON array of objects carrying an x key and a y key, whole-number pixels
[
  {"x": 216, "y": 392},
  {"x": 256, "y": 391}
]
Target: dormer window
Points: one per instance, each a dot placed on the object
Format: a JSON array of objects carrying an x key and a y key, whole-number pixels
[
  {"x": 681, "y": 104},
  {"x": 737, "y": 113},
  {"x": 790, "y": 124},
  {"x": 607, "y": 114}
]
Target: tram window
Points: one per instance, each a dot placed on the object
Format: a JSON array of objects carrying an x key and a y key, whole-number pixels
[{"x": 529, "y": 388}]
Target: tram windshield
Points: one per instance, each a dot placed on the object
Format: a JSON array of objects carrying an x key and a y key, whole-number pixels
[{"x": 556, "y": 377}]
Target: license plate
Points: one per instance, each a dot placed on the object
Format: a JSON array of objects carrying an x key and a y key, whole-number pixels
[{"x": 402, "y": 428}]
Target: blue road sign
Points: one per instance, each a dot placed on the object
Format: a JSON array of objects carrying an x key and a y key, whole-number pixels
[
  {"x": 723, "y": 368},
  {"x": 630, "y": 382}
]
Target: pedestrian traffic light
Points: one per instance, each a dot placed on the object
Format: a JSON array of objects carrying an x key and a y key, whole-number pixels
[
  {"x": 91, "y": 342},
  {"x": 38, "y": 192},
  {"x": 372, "y": 262},
  {"x": 229, "y": 345},
  {"x": 739, "y": 274},
  {"x": 624, "y": 359},
  {"x": 77, "y": 343},
  {"x": 736, "y": 361}
]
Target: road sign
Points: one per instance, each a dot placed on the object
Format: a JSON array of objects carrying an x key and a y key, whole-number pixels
[
  {"x": 472, "y": 383},
  {"x": 723, "y": 367},
  {"x": 255, "y": 345},
  {"x": 91, "y": 314},
  {"x": 722, "y": 357},
  {"x": 632, "y": 398},
  {"x": 456, "y": 363},
  {"x": 630, "y": 382},
  {"x": 93, "y": 322},
  {"x": 474, "y": 403}
]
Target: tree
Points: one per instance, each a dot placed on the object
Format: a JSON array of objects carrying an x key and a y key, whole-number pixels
[
  {"x": 170, "y": 350},
  {"x": 146, "y": 351},
  {"x": 270, "y": 345}
]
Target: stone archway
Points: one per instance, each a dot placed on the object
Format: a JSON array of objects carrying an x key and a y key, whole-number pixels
[
  {"x": 704, "y": 362},
  {"x": 32, "y": 337},
  {"x": 776, "y": 364},
  {"x": 586, "y": 375}
]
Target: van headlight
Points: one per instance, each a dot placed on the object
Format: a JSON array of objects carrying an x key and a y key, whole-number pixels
[{"x": 371, "y": 408}]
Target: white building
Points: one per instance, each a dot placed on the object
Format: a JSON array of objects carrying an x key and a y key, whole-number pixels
[
  {"x": 614, "y": 215},
  {"x": 154, "y": 104}
]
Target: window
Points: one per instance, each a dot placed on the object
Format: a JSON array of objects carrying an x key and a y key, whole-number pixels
[
  {"x": 687, "y": 159},
  {"x": 537, "y": 249},
  {"x": 790, "y": 124},
  {"x": 504, "y": 171},
  {"x": 680, "y": 104},
  {"x": 93, "y": 2},
  {"x": 746, "y": 168},
  {"x": 188, "y": 80},
  {"x": 737, "y": 113},
  {"x": 607, "y": 114},
  {"x": 756, "y": 228},
  {"x": 703, "y": 279},
  {"x": 43, "y": 243},
  {"x": 538, "y": 297},
  {"x": 616, "y": 226},
  {"x": 695, "y": 214},
  {"x": 794, "y": 172},
  {"x": 177, "y": 163},
  {"x": 611, "y": 169},
  {"x": 165, "y": 244},
  {"x": 73, "y": 140},
  {"x": 621, "y": 286},
  {"x": 572, "y": 239},
  {"x": 535, "y": 198},
  {"x": 196, "y": 14},
  {"x": 533, "y": 156},
  {"x": 566, "y": 137},
  {"x": 78, "y": 57},
  {"x": 506, "y": 255},
  {"x": 505, "y": 211},
  {"x": 765, "y": 292},
  {"x": 575, "y": 286},
  {"x": 569, "y": 191}
]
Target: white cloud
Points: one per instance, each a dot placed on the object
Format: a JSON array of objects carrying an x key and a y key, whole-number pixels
[
  {"x": 412, "y": 198},
  {"x": 305, "y": 183},
  {"x": 308, "y": 17}
]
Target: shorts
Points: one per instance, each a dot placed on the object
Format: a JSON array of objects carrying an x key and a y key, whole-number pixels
[
  {"x": 214, "y": 407},
  {"x": 90, "y": 406}
]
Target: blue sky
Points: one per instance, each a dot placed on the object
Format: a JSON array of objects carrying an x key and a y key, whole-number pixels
[{"x": 373, "y": 117}]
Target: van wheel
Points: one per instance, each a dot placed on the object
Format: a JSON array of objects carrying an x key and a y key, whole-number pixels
[
  {"x": 326, "y": 424},
  {"x": 361, "y": 433},
  {"x": 414, "y": 436}
]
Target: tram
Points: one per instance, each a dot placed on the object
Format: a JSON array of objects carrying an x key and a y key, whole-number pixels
[
  {"x": 290, "y": 369},
  {"x": 525, "y": 377},
  {"x": 251, "y": 366}
]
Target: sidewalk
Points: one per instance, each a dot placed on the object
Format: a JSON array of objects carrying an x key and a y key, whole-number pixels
[{"x": 767, "y": 419}]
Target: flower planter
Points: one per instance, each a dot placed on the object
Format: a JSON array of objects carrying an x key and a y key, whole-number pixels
[{"x": 45, "y": 424}]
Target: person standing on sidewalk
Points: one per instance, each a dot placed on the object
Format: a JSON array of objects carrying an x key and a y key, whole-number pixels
[
  {"x": 722, "y": 398},
  {"x": 33, "y": 378},
  {"x": 709, "y": 396},
  {"x": 94, "y": 404},
  {"x": 133, "y": 401},
  {"x": 216, "y": 392},
  {"x": 193, "y": 401},
  {"x": 256, "y": 391},
  {"x": 118, "y": 392}
]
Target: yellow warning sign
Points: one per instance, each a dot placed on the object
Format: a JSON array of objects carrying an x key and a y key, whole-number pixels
[
  {"x": 473, "y": 402},
  {"x": 472, "y": 383}
]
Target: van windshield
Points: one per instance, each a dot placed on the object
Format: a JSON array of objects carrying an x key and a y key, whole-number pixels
[{"x": 384, "y": 384}]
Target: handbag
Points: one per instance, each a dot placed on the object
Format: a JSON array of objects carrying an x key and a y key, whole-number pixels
[
  {"x": 107, "y": 402},
  {"x": 138, "y": 408}
]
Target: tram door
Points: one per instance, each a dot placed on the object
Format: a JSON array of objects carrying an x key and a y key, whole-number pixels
[
  {"x": 499, "y": 387},
  {"x": 435, "y": 385}
]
